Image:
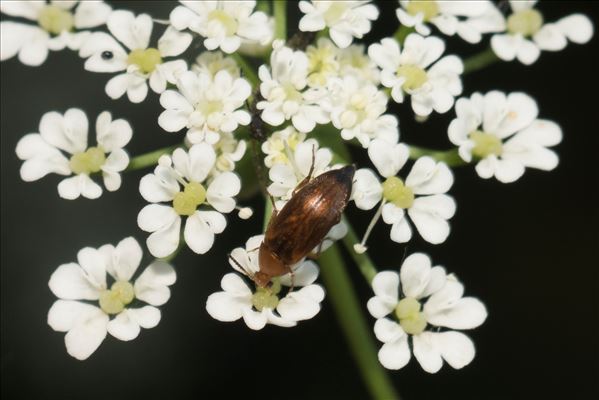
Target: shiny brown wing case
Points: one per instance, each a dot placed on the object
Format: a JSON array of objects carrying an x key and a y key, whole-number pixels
[{"x": 309, "y": 215}]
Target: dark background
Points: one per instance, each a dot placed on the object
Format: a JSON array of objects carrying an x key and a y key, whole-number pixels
[{"x": 527, "y": 249}]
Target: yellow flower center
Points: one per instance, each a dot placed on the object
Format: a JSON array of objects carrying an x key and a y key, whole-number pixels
[
  {"x": 411, "y": 319},
  {"x": 146, "y": 60},
  {"x": 485, "y": 144},
  {"x": 55, "y": 20},
  {"x": 187, "y": 201},
  {"x": 321, "y": 65},
  {"x": 525, "y": 22},
  {"x": 394, "y": 191},
  {"x": 414, "y": 76},
  {"x": 267, "y": 297},
  {"x": 225, "y": 19},
  {"x": 429, "y": 8},
  {"x": 209, "y": 107},
  {"x": 113, "y": 301},
  {"x": 334, "y": 12},
  {"x": 87, "y": 162}
]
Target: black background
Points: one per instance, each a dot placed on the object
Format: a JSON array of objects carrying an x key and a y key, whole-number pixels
[{"x": 527, "y": 249}]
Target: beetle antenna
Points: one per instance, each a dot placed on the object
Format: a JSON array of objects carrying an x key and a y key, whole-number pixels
[{"x": 242, "y": 268}]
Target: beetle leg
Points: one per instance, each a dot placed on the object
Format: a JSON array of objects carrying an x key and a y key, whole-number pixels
[
  {"x": 275, "y": 211},
  {"x": 315, "y": 255}
]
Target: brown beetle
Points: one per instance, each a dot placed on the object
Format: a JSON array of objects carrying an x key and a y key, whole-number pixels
[{"x": 302, "y": 224}]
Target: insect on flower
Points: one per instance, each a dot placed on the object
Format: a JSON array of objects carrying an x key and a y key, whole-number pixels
[{"x": 302, "y": 224}]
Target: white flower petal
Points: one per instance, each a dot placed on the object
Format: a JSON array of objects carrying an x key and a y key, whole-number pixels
[
  {"x": 63, "y": 314},
  {"x": 123, "y": 327},
  {"x": 253, "y": 319},
  {"x": 455, "y": 348},
  {"x": 395, "y": 355},
  {"x": 147, "y": 316},
  {"x": 133, "y": 32},
  {"x": 90, "y": 14},
  {"x": 200, "y": 229},
  {"x": 87, "y": 333},
  {"x": 69, "y": 282},
  {"x": 221, "y": 191},
  {"x": 426, "y": 352},
  {"x": 578, "y": 28},
  {"x": 387, "y": 330},
  {"x": 68, "y": 132},
  {"x": 429, "y": 177},
  {"x": 152, "y": 284},
  {"x": 125, "y": 259},
  {"x": 466, "y": 313},
  {"x": 79, "y": 185},
  {"x": 430, "y": 214},
  {"x": 415, "y": 274},
  {"x": 388, "y": 158}
]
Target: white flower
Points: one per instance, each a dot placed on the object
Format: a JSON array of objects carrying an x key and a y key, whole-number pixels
[
  {"x": 421, "y": 196},
  {"x": 224, "y": 24},
  {"x": 323, "y": 62},
  {"x": 504, "y": 135},
  {"x": 346, "y": 20},
  {"x": 43, "y": 152},
  {"x": 356, "y": 108},
  {"x": 205, "y": 105},
  {"x": 353, "y": 60},
  {"x": 60, "y": 24},
  {"x": 279, "y": 144},
  {"x": 260, "y": 306},
  {"x": 228, "y": 151},
  {"x": 141, "y": 63},
  {"x": 285, "y": 176},
  {"x": 527, "y": 34},
  {"x": 469, "y": 19},
  {"x": 77, "y": 285},
  {"x": 411, "y": 70},
  {"x": 210, "y": 62},
  {"x": 285, "y": 92},
  {"x": 444, "y": 307},
  {"x": 181, "y": 180}
]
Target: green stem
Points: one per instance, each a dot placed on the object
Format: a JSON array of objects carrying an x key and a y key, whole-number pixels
[
  {"x": 402, "y": 32},
  {"x": 149, "y": 159},
  {"x": 354, "y": 325},
  {"x": 449, "y": 157},
  {"x": 363, "y": 262},
  {"x": 247, "y": 69},
  {"x": 479, "y": 61},
  {"x": 280, "y": 13}
]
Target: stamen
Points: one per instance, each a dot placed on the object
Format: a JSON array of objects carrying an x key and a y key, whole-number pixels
[{"x": 360, "y": 248}]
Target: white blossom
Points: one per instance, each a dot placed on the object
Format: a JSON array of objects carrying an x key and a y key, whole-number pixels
[
  {"x": 413, "y": 305},
  {"x": 357, "y": 108},
  {"x": 228, "y": 151},
  {"x": 504, "y": 135},
  {"x": 205, "y": 105},
  {"x": 225, "y": 24},
  {"x": 59, "y": 24},
  {"x": 141, "y": 63},
  {"x": 431, "y": 84},
  {"x": 421, "y": 196},
  {"x": 44, "y": 152},
  {"x": 280, "y": 144},
  {"x": 527, "y": 33},
  {"x": 210, "y": 62},
  {"x": 468, "y": 19},
  {"x": 286, "y": 175},
  {"x": 259, "y": 306},
  {"x": 89, "y": 307},
  {"x": 181, "y": 180},
  {"x": 353, "y": 60},
  {"x": 345, "y": 20},
  {"x": 285, "y": 92}
]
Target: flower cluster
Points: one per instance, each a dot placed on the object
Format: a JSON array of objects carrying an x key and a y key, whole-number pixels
[
  {"x": 44, "y": 152},
  {"x": 311, "y": 98},
  {"x": 429, "y": 298},
  {"x": 273, "y": 304},
  {"x": 116, "y": 308}
]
